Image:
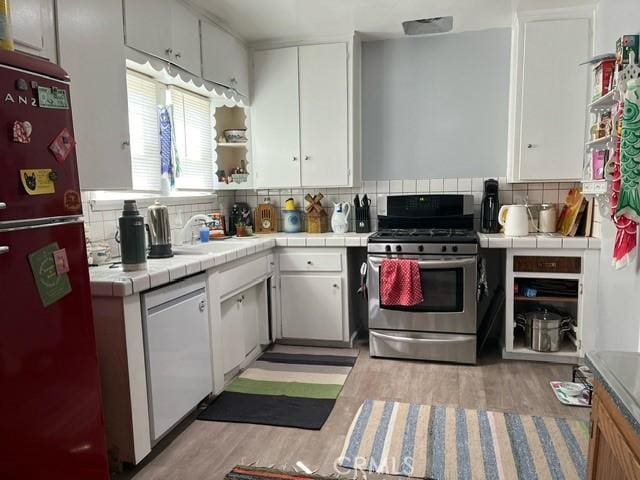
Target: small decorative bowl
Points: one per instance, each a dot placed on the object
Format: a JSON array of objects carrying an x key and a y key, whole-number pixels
[{"x": 236, "y": 135}]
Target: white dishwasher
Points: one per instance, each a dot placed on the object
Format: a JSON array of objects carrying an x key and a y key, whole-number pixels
[{"x": 177, "y": 351}]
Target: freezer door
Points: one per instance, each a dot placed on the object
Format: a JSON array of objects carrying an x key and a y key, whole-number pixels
[
  {"x": 50, "y": 406},
  {"x": 58, "y": 191}
]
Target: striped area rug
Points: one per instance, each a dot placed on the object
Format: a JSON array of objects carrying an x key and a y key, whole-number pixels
[
  {"x": 284, "y": 389},
  {"x": 441, "y": 443}
]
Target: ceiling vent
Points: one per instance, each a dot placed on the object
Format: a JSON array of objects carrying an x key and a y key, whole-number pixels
[{"x": 427, "y": 26}]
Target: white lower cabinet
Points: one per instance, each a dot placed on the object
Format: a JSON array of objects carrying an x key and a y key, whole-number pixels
[
  {"x": 241, "y": 315},
  {"x": 314, "y": 294},
  {"x": 311, "y": 306}
]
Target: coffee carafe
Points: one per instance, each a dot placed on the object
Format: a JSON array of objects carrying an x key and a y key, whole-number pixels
[
  {"x": 131, "y": 236},
  {"x": 159, "y": 231},
  {"x": 490, "y": 207}
]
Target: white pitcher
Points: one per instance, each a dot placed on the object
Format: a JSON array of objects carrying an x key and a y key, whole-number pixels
[
  {"x": 340, "y": 217},
  {"x": 515, "y": 220}
]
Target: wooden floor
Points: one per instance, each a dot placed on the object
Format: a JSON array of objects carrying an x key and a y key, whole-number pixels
[{"x": 207, "y": 450}]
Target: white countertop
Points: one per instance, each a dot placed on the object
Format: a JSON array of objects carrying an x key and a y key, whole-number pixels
[
  {"x": 107, "y": 281},
  {"x": 538, "y": 240}
]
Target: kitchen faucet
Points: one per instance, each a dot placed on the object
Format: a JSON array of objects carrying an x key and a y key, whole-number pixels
[{"x": 182, "y": 236}]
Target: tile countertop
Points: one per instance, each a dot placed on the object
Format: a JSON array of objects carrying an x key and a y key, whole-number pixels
[
  {"x": 619, "y": 374},
  {"x": 113, "y": 282},
  {"x": 537, "y": 240}
]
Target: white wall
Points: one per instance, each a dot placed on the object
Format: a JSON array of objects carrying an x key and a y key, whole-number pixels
[
  {"x": 436, "y": 106},
  {"x": 619, "y": 291}
]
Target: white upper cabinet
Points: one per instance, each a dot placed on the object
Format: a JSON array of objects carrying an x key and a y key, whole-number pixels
[
  {"x": 324, "y": 122},
  {"x": 165, "y": 29},
  {"x": 301, "y": 117},
  {"x": 549, "y": 97},
  {"x": 148, "y": 26},
  {"x": 275, "y": 118},
  {"x": 33, "y": 27},
  {"x": 225, "y": 60},
  {"x": 92, "y": 52},
  {"x": 185, "y": 35}
]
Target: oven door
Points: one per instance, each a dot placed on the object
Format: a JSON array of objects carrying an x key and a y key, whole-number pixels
[{"x": 449, "y": 291}]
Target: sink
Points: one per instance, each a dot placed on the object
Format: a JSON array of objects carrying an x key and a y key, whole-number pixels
[{"x": 207, "y": 248}]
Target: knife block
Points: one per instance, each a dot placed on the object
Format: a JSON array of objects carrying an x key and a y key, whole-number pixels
[{"x": 363, "y": 221}]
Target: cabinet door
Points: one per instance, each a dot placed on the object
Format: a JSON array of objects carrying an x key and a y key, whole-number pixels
[
  {"x": 26, "y": 23},
  {"x": 225, "y": 60},
  {"x": 148, "y": 26},
  {"x": 324, "y": 115},
  {"x": 311, "y": 307},
  {"x": 250, "y": 317},
  {"x": 185, "y": 34},
  {"x": 554, "y": 99},
  {"x": 275, "y": 118},
  {"x": 232, "y": 333},
  {"x": 98, "y": 90}
]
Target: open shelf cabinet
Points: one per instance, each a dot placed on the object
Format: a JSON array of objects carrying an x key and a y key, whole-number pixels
[
  {"x": 570, "y": 293},
  {"x": 233, "y": 160}
]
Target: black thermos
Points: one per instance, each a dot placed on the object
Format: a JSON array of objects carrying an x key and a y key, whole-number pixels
[{"x": 490, "y": 207}]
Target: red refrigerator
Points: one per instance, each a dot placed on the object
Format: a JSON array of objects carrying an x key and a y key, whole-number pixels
[{"x": 51, "y": 423}]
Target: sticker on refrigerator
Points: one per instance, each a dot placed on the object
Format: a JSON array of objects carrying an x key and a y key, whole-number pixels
[
  {"x": 62, "y": 145},
  {"x": 72, "y": 201},
  {"x": 37, "y": 181},
  {"x": 22, "y": 131},
  {"x": 51, "y": 285},
  {"x": 61, "y": 261},
  {"x": 52, "y": 98}
]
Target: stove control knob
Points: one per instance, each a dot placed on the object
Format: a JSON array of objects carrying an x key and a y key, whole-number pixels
[
  {"x": 454, "y": 248},
  {"x": 420, "y": 248},
  {"x": 387, "y": 248},
  {"x": 444, "y": 248},
  {"x": 398, "y": 248}
]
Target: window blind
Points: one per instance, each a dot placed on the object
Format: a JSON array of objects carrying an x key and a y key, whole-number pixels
[
  {"x": 144, "y": 132},
  {"x": 193, "y": 131}
]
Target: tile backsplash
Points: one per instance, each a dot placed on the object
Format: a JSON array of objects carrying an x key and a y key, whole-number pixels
[
  {"x": 533, "y": 193},
  {"x": 102, "y": 223}
]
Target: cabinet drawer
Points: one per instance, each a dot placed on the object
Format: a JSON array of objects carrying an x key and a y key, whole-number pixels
[
  {"x": 240, "y": 274},
  {"x": 311, "y": 262},
  {"x": 547, "y": 264}
]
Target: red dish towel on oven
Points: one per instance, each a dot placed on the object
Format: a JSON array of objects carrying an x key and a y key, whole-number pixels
[{"x": 400, "y": 283}]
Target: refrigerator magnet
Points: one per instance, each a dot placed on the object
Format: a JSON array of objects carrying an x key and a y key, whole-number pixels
[
  {"x": 51, "y": 285},
  {"x": 72, "y": 201},
  {"x": 37, "y": 181},
  {"x": 62, "y": 145},
  {"x": 61, "y": 261},
  {"x": 52, "y": 98},
  {"x": 22, "y": 131}
]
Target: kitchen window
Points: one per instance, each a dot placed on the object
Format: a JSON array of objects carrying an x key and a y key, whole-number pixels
[
  {"x": 192, "y": 134},
  {"x": 142, "y": 93},
  {"x": 192, "y": 127}
]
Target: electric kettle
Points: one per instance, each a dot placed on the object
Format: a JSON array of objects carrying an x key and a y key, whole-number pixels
[
  {"x": 515, "y": 220},
  {"x": 159, "y": 231},
  {"x": 340, "y": 217}
]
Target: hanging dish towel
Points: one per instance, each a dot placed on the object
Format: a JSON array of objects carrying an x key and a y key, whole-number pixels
[{"x": 400, "y": 283}]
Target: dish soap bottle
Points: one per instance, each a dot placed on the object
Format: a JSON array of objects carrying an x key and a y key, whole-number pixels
[{"x": 204, "y": 233}]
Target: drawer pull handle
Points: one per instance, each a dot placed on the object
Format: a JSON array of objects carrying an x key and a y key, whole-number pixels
[
  {"x": 335, "y": 285},
  {"x": 202, "y": 305},
  {"x": 309, "y": 262},
  {"x": 547, "y": 265}
]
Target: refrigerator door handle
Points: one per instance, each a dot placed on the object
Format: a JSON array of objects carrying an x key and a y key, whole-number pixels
[
  {"x": 4, "y": 249},
  {"x": 3, "y": 205}
]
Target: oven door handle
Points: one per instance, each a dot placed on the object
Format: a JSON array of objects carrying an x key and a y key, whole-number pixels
[
  {"x": 448, "y": 339},
  {"x": 448, "y": 263}
]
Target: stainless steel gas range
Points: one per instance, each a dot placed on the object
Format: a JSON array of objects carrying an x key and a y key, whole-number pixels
[{"x": 437, "y": 231}]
